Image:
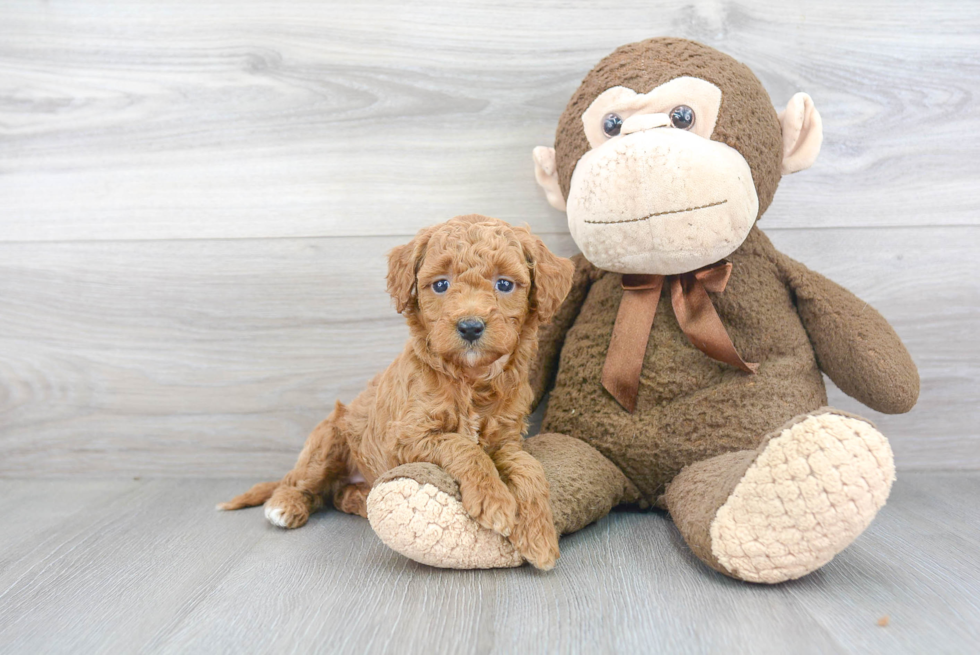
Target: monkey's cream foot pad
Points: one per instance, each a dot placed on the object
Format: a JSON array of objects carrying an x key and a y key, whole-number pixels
[
  {"x": 811, "y": 491},
  {"x": 429, "y": 525}
]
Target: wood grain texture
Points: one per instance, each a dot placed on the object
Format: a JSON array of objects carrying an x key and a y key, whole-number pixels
[
  {"x": 148, "y": 566},
  {"x": 251, "y": 119},
  {"x": 195, "y": 199},
  {"x": 216, "y": 358}
]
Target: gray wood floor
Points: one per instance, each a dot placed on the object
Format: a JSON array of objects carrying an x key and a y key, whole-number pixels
[{"x": 119, "y": 566}]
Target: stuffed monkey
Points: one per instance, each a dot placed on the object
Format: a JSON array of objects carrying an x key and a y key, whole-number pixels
[{"x": 685, "y": 365}]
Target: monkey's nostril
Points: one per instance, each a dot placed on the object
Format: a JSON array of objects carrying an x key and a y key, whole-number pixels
[{"x": 470, "y": 329}]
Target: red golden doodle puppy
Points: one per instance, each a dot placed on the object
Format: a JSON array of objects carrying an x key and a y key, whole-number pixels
[{"x": 474, "y": 291}]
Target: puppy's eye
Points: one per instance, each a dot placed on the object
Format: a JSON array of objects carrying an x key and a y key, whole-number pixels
[
  {"x": 682, "y": 117},
  {"x": 504, "y": 285},
  {"x": 612, "y": 124},
  {"x": 440, "y": 286}
]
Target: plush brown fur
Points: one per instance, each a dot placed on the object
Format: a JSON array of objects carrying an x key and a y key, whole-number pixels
[
  {"x": 691, "y": 407},
  {"x": 747, "y": 121},
  {"x": 443, "y": 401},
  {"x": 694, "y": 413},
  {"x": 777, "y": 312}
]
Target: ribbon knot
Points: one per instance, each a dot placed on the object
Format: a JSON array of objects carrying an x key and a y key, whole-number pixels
[{"x": 695, "y": 314}]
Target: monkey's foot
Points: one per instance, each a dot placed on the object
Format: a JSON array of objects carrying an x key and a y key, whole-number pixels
[
  {"x": 789, "y": 507},
  {"x": 416, "y": 510}
]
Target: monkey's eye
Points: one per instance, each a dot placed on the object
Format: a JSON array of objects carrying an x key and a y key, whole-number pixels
[
  {"x": 440, "y": 286},
  {"x": 612, "y": 124},
  {"x": 682, "y": 117},
  {"x": 503, "y": 285}
]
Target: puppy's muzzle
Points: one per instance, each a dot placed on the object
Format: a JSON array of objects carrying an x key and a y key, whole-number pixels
[{"x": 470, "y": 329}]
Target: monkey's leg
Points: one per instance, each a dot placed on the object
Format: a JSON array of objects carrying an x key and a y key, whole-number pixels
[
  {"x": 785, "y": 509},
  {"x": 415, "y": 509},
  {"x": 584, "y": 485}
]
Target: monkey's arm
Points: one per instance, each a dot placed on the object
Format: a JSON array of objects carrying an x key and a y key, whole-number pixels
[
  {"x": 551, "y": 337},
  {"x": 854, "y": 344}
]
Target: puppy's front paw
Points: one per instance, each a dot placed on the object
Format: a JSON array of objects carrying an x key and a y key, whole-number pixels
[
  {"x": 536, "y": 538},
  {"x": 491, "y": 505},
  {"x": 288, "y": 508}
]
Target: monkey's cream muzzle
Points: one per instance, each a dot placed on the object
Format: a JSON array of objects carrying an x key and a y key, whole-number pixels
[{"x": 660, "y": 200}]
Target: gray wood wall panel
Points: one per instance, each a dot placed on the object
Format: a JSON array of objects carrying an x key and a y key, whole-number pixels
[
  {"x": 216, "y": 357},
  {"x": 249, "y": 118},
  {"x": 195, "y": 199}
]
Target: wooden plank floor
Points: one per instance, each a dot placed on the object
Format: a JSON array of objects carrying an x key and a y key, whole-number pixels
[{"x": 112, "y": 566}]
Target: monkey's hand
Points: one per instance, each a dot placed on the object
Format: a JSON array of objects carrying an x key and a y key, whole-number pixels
[{"x": 854, "y": 344}]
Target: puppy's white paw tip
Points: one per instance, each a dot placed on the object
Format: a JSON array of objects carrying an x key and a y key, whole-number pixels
[{"x": 275, "y": 516}]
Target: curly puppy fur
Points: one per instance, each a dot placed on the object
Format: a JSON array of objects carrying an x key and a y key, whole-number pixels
[{"x": 459, "y": 405}]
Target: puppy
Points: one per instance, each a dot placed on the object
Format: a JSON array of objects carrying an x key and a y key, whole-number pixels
[{"x": 474, "y": 291}]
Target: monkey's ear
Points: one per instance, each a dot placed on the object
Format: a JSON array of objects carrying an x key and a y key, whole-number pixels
[
  {"x": 802, "y": 133},
  {"x": 546, "y": 173},
  {"x": 551, "y": 275},
  {"x": 403, "y": 267}
]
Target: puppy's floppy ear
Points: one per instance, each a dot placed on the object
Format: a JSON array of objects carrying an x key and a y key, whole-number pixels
[
  {"x": 551, "y": 275},
  {"x": 403, "y": 266}
]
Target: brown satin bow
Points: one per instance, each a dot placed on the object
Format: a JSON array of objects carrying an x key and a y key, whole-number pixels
[{"x": 695, "y": 315}]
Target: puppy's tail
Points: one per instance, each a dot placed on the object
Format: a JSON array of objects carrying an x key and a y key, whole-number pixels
[{"x": 254, "y": 496}]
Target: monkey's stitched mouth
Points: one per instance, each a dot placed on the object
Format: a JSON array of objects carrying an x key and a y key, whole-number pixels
[{"x": 647, "y": 218}]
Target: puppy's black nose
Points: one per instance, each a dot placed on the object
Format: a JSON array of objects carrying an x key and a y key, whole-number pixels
[{"x": 470, "y": 329}]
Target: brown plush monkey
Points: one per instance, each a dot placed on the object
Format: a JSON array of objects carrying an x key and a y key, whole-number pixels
[{"x": 686, "y": 362}]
